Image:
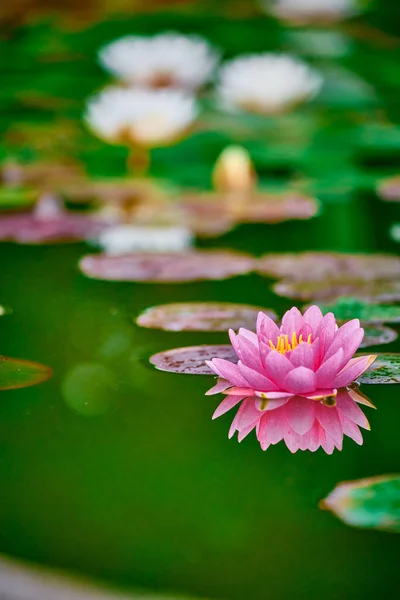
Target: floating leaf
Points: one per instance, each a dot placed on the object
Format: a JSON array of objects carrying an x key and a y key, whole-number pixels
[
  {"x": 16, "y": 197},
  {"x": 42, "y": 175},
  {"x": 334, "y": 288},
  {"x": 191, "y": 360},
  {"x": 276, "y": 208},
  {"x": 169, "y": 267},
  {"x": 389, "y": 189},
  {"x": 16, "y": 373},
  {"x": 201, "y": 316},
  {"x": 309, "y": 266},
  {"x": 48, "y": 222},
  {"x": 345, "y": 309},
  {"x": 385, "y": 369},
  {"x": 376, "y": 335},
  {"x": 371, "y": 503}
]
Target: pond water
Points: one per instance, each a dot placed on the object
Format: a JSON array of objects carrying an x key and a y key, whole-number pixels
[{"x": 115, "y": 470}]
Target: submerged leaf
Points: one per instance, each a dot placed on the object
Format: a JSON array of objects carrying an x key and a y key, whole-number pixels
[
  {"x": 348, "y": 308},
  {"x": 334, "y": 288},
  {"x": 168, "y": 267},
  {"x": 201, "y": 316},
  {"x": 17, "y": 373},
  {"x": 324, "y": 266},
  {"x": 89, "y": 388},
  {"x": 372, "y": 503},
  {"x": 191, "y": 360},
  {"x": 376, "y": 335},
  {"x": 385, "y": 369}
]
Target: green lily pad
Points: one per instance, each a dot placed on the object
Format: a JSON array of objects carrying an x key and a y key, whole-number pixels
[
  {"x": 16, "y": 197},
  {"x": 17, "y": 373},
  {"x": 371, "y": 503},
  {"x": 201, "y": 316},
  {"x": 385, "y": 369},
  {"x": 347, "y": 308}
]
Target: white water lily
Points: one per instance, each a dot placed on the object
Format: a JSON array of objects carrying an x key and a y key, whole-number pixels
[
  {"x": 148, "y": 118},
  {"x": 123, "y": 239},
  {"x": 310, "y": 10},
  {"x": 266, "y": 83},
  {"x": 165, "y": 60}
]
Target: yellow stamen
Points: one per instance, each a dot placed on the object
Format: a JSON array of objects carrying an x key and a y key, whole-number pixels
[{"x": 283, "y": 345}]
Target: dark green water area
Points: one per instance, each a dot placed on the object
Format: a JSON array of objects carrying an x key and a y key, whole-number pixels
[{"x": 115, "y": 470}]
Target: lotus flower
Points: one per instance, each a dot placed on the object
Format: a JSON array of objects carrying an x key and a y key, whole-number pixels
[{"x": 289, "y": 381}]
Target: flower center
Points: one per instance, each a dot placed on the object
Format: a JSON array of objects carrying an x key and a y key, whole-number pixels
[{"x": 283, "y": 345}]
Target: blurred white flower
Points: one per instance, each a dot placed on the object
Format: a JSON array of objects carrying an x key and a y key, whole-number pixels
[
  {"x": 165, "y": 60},
  {"x": 149, "y": 118},
  {"x": 123, "y": 239},
  {"x": 266, "y": 83},
  {"x": 312, "y": 10}
]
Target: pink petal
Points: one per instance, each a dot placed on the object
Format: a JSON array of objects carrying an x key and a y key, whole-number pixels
[
  {"x": 325, "y": 334},
  {"x": 305, "y": 440},
  {"x": 351, "y": 410},
  {"x": 274, "y": 395},
  {"x": 329, "y": 369},
  {"x": 300, "y": 380},
  {"x": 300, "y": 414},
  {"x": 248, "y": 353},
  {"x": 327, "y": 443},
  {"x": 342, "y": 337},
  {"x": 351, "y": 430},
  {"x": 352, "y": 370},
  {"x": 226, "y": 405},
  {"x": 315, "y": 442},
  {"x": 303, "y": 356},
  {"x": 273, "y": 426},
  {"x": 313, "y": 316},
  {"x": 319, "y": 394},
  {"x": 220, "y": 386},
  {"x": 292, "y": 321},
  {"x": 277, "y": 367},
  {"x": 292, "y": 440},
  {"x": 249, "y": 414},
  {"x": 266, "y": 328},
  {"x": 272, "y": 404},
  {"x": 256, "y": 380},
  {"x": 245, "y": 432},
  {"x": 227, "y": 370},
  {"x": 305, "y": 331},
  {"x": 328, "y": 418},
  {"x": 249, "y": 335}
]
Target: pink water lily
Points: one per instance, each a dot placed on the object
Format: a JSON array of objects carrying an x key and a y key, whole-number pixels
[{"x": 289, "y": 380}]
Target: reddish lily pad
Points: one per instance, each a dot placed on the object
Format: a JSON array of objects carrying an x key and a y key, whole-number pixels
[
  {"x": 42, "y": 175},
  {"x": 377, "y": 335},
  {"x": 276, "y": 208},
  {"x": 334, "y": 288},
  {"x": 324, "y": 266},
  {"x": 201, "y": 316},
  {"x": 385, "y": 369},
  {"x": 48, "y": 222},
  {"x": 371, "y": 503},
  {"x": 168, "y": 267},
  {"x": 389, "y": 189},
  {"x": 191, "y": 360},
  {"x": 16, "y": 373},
  {"x": 348, "y": 308}
]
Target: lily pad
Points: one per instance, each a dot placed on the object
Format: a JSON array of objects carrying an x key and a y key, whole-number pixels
[
  {"x": 16, "y": 373},
  {"x": 201, "y": 316},
  {"x": 371, "y": 503},
  {"x": 16, "y": 197},
  {"x": 334, "y": 288},
  {"x": 321, "y": 266},
  {"x": 377, "y": 335},
  {"x": 263, "y": 207},
  {"x": 348, "y": 308},
  {"x": 48, "y": 222},
  {"x": 385, "y": 369},
  {"x": 39, "y": 174},
  {"x": 191, "y": 360},
  {"x": 168, "y": 267}
]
